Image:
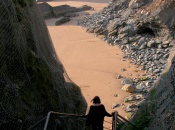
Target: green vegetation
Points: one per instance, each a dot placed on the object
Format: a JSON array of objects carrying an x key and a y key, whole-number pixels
[
  {"x": 141, "y": 121},
  {"x": 24, "y": 3},
  {"x": 144, "y": 116},
  {"x": 152, "y": 93},
  {"x": 129, "y": 115},
  {"x": 20, "y": 4},
  {"x": 19, "y": 13}
]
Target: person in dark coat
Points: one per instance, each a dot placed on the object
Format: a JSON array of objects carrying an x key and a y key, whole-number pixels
[{"x": 97, "y": 112}]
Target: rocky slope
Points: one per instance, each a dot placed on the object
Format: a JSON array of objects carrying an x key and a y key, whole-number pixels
[
  {"x": 32, "y": 79},
  {"x": 144, "y": 30}
]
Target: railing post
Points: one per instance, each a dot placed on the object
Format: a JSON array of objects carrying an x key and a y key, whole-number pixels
[
  {"x": 114, "y": 122},
  {"x": 47, "y": 120}
]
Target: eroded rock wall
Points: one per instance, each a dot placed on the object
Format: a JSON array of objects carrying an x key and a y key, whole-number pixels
[{"x": 32, "y": 79}]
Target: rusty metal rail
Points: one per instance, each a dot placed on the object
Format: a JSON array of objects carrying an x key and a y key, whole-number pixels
[{"x": 118, "y": 120}]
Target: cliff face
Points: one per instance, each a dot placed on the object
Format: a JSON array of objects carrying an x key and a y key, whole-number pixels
[
  {"x": 157, "y": 112},
  {"x": 32, "y": 79}
]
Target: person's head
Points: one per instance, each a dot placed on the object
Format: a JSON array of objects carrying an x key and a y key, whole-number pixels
[{"x": 96, "y": 100}]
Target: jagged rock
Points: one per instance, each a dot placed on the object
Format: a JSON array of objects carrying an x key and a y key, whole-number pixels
[
  {"x": 151, "y": 44},
  {"x": 127, "y": 81},
  {"x": 62, "y": 20},
  {"x": 142, "y": 40},
  {"x": 113, "y": 25},
  {"x": 130, "y": 98},
  {"x": 124, "y": 30},
  {"x": 125, "y": 41},
  {"x": 121, "y": 36},
  {"x": 143, "y": 46},
  {"x": 140, "y": 87},
  {"x": 114, "y": 32},
  {"x": 98, "y": 30}
]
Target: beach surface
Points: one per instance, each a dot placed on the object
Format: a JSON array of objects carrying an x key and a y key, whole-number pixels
[{"x": 89, "y": 61}]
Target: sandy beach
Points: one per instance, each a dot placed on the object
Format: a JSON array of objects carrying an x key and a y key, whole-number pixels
[{"x": 90, "y": 62}]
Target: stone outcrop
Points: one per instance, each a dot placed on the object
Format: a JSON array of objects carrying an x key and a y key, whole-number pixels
[{"x": 59, "y": 11}]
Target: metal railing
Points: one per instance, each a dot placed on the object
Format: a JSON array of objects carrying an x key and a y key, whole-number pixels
[
  {"x": 59, "y": 114},
  {"x": 57, "y": 120},
  {"x": 117, "y": 120}
]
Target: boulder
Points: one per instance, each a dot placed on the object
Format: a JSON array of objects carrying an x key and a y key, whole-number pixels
[{"x": 128, "y": 88}]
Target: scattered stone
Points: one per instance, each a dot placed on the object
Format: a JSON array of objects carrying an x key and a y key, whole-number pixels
[
  {"x": 130, "y": 107},
  {"x": 115, "y": 105},
  {"x": 115, "y": 95},
  {"x": 151, "y": 44},
  {"x": 138, "y": 97},
  {"x": 118, "y": 76},
  {"x": 130, "y": 98},
  {"x": 123, "y": 70}
]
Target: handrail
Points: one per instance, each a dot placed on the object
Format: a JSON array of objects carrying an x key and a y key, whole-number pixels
[
  {"x": 33, "y": 126},
  {"x": 126, "y": 120},
  {"x": 116, "y": 120},
  {"x": 60, "y": 114}
]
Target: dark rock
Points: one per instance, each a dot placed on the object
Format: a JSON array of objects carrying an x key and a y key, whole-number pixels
[
  {"x": 62, "y": 10},
  {"x": 85, "y": 7},
  {"x": 46, "y": 10},
  {"x": 62, "y": 20}
]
